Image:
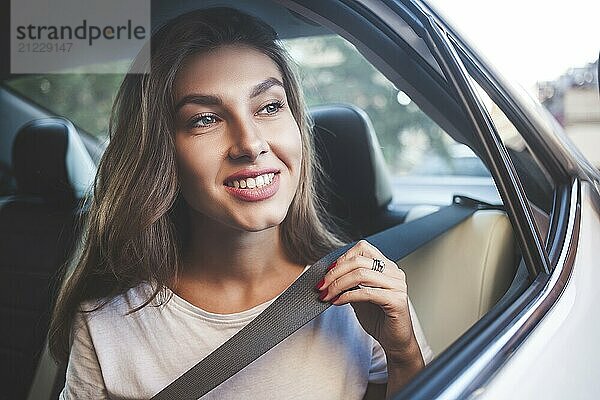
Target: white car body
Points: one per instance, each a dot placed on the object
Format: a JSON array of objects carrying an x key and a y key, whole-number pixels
[{"x": 561, "y": 359}]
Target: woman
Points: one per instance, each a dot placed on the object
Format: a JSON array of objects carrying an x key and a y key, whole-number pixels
[{"x": 204, "y": 211}]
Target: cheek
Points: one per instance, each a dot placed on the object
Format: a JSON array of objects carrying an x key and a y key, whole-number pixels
[
  {"x": 295, "y": 150},
  {"x": 195, "y": 169},
  {"x": 291, "y": 144},
  {"x": 298, "y": 153}
]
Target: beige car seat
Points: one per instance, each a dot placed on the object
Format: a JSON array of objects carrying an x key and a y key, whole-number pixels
[{"x": 455, "y": 279}]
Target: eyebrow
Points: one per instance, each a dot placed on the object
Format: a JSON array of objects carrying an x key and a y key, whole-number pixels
[
  {"x": 205, "y": 100},
  {"x": 211, "y": 100},
  {"x": 264, "y": 86}
]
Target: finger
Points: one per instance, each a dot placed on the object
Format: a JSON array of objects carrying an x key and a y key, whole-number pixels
[
  {"x": 365, "y": 249},
  {"x": 388, "y": 300},
  {"x": 342, "y": 267},
  {"x": 362, "y": 248},
  {"x": 347, "y": 265},
  {"x": 359, "y": 277}
]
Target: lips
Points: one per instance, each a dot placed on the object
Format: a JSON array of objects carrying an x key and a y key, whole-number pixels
[{"x": 255, "y": 194}]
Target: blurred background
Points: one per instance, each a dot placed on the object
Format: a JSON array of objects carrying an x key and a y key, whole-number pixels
[{"x": 549, "y": 48}]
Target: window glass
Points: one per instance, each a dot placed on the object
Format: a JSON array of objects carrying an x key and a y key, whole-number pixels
[
  {"x": 85, "y": 99},
  {"x": 534, "y": 178},
  {"x": 426, "y": 164}
]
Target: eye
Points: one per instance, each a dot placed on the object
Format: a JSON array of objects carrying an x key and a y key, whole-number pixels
[
  {"x": 271, "y": 108},
  {"x": 203, "y": 121}
]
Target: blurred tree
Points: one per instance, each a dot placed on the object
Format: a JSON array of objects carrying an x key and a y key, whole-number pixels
[
  {"x": 85, "y": 99},
  {"x": 333, "y": 71}
]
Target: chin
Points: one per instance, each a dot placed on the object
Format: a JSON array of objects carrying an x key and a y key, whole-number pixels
[{"x": 260, "y": 225}]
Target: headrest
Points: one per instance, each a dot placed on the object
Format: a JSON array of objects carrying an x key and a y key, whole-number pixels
[
  {"x": 50, "y": 161},
  {"x": 351, "y": 156}
]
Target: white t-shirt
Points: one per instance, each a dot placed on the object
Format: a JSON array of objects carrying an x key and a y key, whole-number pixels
[{"x": 134, "y": 356}]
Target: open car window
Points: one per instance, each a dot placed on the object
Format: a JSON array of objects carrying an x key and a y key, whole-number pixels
[{"x": 426, "y": 165}]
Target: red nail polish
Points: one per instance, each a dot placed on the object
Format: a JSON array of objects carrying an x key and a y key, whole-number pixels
[
  {"x": 331, "y": 266},
  {"x": 334, "y": 299},
  {"x": 321, "y": 283},
  {"x": 323, "y": 295}
]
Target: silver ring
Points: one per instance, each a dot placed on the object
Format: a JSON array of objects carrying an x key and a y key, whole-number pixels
[{"x": 378, "y": 265}]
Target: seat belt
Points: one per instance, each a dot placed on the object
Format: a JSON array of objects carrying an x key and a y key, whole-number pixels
[{"x": 299, "y": 303}]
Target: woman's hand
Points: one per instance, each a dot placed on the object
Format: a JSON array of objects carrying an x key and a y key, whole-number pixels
[{"x": 380, "y": 300}]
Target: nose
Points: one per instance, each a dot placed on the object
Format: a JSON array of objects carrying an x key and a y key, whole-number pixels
[{"x": 247, "y": 141}]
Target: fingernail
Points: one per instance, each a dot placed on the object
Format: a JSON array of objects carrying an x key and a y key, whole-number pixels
[
  {"x": 321, "y": 283},
  {"x": 323, "y": 295},
  {"x": 331, "y": 266},
  {"x": 334, "y": 299}
]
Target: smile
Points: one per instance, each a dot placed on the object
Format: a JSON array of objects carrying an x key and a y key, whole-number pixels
[
  {"x": 251, "y": 183},
  {"x": 269, "y": 185}
]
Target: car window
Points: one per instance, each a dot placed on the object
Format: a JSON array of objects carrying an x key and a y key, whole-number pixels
[
  {"x": 85, "y": 99},
  {"x": 426, "y": 164}
]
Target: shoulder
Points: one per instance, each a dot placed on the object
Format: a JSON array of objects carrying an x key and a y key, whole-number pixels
[
  {"x": 121, "y": 302},
  {"x": 116, "y": 309}
]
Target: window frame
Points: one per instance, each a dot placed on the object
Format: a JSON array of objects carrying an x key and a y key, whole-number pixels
[
  {"x": 523, "y": 123},
  {"x": 501, "y": 166}
]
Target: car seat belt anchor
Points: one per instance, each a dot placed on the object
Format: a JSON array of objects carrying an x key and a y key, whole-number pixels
[{"x": 467, "y": 201}]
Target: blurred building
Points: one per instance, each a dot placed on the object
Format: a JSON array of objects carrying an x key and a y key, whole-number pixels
[{"x": 574, "y": 101}]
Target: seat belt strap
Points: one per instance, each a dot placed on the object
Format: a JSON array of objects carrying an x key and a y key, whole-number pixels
[{"x": 300, "y": 303}]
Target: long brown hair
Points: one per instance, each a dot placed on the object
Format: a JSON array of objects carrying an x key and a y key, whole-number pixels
[{"x": 136, "y": 226}]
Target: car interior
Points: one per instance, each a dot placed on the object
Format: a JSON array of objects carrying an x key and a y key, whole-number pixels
[
  {"x": 38, "y": 226},
  {"x": 48, "y": 163},
  {"x": 481, "y": 270}
]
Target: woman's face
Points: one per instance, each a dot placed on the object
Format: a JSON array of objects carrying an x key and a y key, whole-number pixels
[{"x": 238, "y": 146}]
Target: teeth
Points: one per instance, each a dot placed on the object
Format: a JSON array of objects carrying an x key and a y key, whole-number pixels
[{"x": 251, "y": 183}]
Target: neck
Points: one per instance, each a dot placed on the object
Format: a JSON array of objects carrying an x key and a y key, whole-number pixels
[
  {"x": 221, "y": 255},
  {"x": 244, "y": 268}
]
